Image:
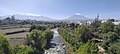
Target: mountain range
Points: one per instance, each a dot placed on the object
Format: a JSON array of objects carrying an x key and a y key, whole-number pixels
[
  {"x": 23, "y": 17},
  {"x": 43, "y": 18},
  {"x": 77, "y": 17}
]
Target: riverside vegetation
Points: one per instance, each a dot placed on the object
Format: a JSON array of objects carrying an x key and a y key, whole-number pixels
[
  {"x": 37, "y": 41},
  {"x": 82, "y": 39}
]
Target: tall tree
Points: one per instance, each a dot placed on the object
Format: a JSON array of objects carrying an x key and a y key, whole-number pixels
[
  {"x": 47, "y": 35},
  {"x": 83, "y": 33},
  {"x": 24, "y": 49},
  {"x": 5, "y": 46},
  {"x": 35, "y": 39},
  {"x": 88, "y": 48},
  {"x": 106, "y": 27}
]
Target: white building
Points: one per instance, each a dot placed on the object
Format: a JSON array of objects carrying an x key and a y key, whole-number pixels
[{"x": 115, "y": 22}]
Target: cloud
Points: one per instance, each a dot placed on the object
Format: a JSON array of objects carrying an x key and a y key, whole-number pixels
[
  {"x": 77, "y": 14},
  {"x": 31, "y": 14},
  {"x": 27, "y": 14}
]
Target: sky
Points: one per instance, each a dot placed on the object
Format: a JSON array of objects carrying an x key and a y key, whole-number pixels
[{"x": 61, "y": 9}]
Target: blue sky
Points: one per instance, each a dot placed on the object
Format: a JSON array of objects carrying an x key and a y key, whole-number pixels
[{"x": 60, "y": 9}]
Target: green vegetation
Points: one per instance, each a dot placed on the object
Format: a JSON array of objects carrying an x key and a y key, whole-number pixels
[
  {"x": 80, "y": 39},
  {"x": 75, "y": 36},
  {"x": 88, "y": 48},
  {"x": 104, "y": 34},
  {"x": 38, "y": 27},
  {"x": 23, "y": 49},
  {"x": 5, "y": 46},
  {"x": 38, "y": 40},
  {"x": 114, "y": 48}
]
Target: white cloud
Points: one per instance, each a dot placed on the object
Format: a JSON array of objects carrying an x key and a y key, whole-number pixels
[
  {"x": 31, "y": 14},
  {"x": 27, "y": 14},
  {"x": 77, "y": 14}
]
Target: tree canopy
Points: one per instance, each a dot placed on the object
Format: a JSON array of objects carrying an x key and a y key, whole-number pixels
[{"x": 5, "y": 46}]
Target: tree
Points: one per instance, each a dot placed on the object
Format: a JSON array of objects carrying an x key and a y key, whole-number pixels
[
  {"x": 83, "y": 33},
  {"x": 8, "y": 18},
  {"x": 35, "y": 39},
  {"x": 75, "y": 37},
  {"x": 47, "y": 35},
  {"x": 72, "y": 25},
  {"x": 23, "y": 49},
  {"x": 32, "y": 28},
  {"x": 110, "y": 37},
  {"x": 117, "y": 30},
  {"x": 40, "y": 39},
  {"x": 114, "y": 48},
  {"x": 0, "y": 21},
  {"x": 88, "y": 48},
  {"x": 38, "y": 27},
  {"x": 95, "y": 25},
  {"x": 42, "y": 28},
  {"x": 106, "y": 27},
  {"x": 5, "y": 46}
]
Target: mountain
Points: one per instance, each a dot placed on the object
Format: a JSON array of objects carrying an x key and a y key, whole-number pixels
[
  {"x": 77, "y": 17},
  {"x": 23, "y": 17},
  {"x": 1, "y": 17}
]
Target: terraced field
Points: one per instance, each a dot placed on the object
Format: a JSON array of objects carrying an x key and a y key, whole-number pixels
[
  {"x": 19, "y": 38},
  {"x": 2, "y": 27},
  {"x": 16, "y": 38},
  {"x": 13, "y": 30},
  {"x": 18, "y": 35}
]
